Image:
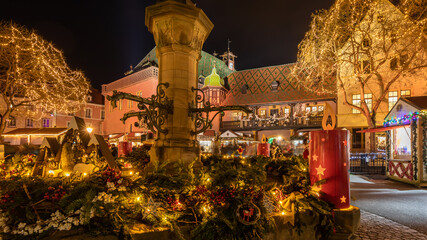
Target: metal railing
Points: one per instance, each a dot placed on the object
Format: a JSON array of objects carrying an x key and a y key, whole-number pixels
[
  {"x": 368, "y": 163},
  {"x": 272, "y": 123}
]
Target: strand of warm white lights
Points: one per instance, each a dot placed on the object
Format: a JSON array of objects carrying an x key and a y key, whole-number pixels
[{"x": 37, "y": 73}]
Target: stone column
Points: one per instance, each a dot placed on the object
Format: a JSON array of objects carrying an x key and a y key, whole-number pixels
[{"x": 179, "y": 29}]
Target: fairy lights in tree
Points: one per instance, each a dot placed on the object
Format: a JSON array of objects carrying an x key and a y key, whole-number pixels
[
  {"x": 34, "y": 77},
  {"x": 368, "y": 46}
]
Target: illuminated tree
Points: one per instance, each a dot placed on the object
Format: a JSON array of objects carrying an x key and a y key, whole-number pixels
[
  {"x": 34, "y": 77},
  {"x": 369, "y": 46}
]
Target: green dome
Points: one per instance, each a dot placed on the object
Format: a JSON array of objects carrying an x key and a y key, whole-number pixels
[{"x": 213, "y": 80}]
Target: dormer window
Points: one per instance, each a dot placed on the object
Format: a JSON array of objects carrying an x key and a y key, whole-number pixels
[
  {"x": 244, "y": 89},
  {"x": 275, "y": 85},
  {"x": 89, "y": 98}
]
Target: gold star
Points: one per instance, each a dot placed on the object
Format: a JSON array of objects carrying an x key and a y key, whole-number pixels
[
  {"x": 315, "y": 157},
  {"x": 320, "y": 170},
  {"x": 343, "y": 199}
]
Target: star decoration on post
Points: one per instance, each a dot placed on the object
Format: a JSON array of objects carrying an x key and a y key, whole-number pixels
[
  {"x": 345, "y": 142},
  {"x": 320, "y": 170},
  {"x": 343, "y": 199},
  {"x": 150, "y": 208},
  {"x": 315, "y": 157}
]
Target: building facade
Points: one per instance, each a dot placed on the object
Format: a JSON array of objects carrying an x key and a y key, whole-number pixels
[{"x": 93, "y": 113}]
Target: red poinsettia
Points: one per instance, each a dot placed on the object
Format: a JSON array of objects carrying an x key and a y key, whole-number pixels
[{"x": 54, "y": 194}]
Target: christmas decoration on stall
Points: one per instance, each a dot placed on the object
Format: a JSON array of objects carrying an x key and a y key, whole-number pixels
[
  {"x": 263, "y": 147},
  {"x": 268, "y": 204},
  {"x": 248, "y": 213},
  {"x": 150, "y": 208}
]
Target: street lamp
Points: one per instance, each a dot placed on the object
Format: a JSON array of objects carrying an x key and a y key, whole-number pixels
[{"x": 89, "y": 129}]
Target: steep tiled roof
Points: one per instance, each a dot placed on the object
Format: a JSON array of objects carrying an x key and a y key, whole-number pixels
[
  {"x": 258, "y": 85},
  {"x": 206, "y": 63}
]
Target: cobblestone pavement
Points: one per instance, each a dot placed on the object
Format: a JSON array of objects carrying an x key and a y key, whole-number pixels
[{"x": 374, "y": 227}]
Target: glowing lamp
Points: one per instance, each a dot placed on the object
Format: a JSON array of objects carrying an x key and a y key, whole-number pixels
[{"x": 89, "y": 129}]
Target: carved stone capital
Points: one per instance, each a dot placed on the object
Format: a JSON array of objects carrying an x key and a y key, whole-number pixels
[{"x": 177, "y": 25}]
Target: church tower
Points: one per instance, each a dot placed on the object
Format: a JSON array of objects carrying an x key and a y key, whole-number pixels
[{"x": 228, "y": 57}]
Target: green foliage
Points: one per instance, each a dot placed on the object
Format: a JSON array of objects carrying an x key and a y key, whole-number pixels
[
  {"x": 205, "y": 201},
  {"x": 138, "y": 158}
]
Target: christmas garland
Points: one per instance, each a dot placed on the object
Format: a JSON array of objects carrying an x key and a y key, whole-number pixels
[{"x": 230, "y": 198}]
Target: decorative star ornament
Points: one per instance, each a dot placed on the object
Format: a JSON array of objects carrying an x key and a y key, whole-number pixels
[
  {"x": 320, "y": 170},
  {"x": 345, "y": 142},
  {"x": 268, "y": 204},
  {"x": 150, "y": 208},
  {"x": 315, "y": 157},
  {"x": 343, "y": 199}
]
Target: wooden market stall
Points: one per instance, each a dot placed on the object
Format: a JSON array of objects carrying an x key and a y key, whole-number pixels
[{"x": 405, "y": 125}]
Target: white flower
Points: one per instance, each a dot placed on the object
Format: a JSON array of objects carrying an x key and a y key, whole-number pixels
[{"x": 21, "y": 225}]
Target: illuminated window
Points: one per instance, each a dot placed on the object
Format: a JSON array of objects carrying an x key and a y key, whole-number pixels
[
  {"x": 120, "y": 104},
  {"x": 314, "y": 109},
  {"x": 392, "y": 99},
  {"x": 356, "y": 102},
  {"x": 405, "y": 93},
  {"x": 307, "y": 109},
  {"x": 110, "y": 107},
  {"x": 88, "y": 113},
  {"x": 321, "y": 108},
  {"x": 130, "y": 104},
  {"x": 368, "y": 100},
  {"x": 29, "y": 122},
  {"x": 45, "y": 122},
  {"x": 11, "y": 122},
  {"x": 286, "y": 110},
  {"x": 102, "y": 114},
  {"x": 262, "y": 112}
]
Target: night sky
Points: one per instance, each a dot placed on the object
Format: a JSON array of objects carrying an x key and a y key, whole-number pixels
[{"x": 103, "y": 38}]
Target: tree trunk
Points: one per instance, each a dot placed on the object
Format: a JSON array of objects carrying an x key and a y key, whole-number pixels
[
  {"x": 3, "y": 123},
  {"x": 371, "y": 124}
]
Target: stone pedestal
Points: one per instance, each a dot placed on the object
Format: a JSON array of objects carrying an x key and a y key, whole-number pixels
[
  {"x": 179, "y": 30},
  {"x": 347, "y": 222}
]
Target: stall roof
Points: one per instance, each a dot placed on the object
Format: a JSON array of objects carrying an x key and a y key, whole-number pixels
[
  {"x": 382, "y": 129},
  {"x": 419, "y": 102},
  {"x": 406, "y": 105},
  {"x": 36, "y": 131}
]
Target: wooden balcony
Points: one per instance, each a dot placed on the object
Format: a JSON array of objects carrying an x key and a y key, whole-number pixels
[{"x": 272, "y": 123}]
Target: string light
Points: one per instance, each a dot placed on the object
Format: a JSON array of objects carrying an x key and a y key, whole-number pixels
[{"x": 37, "y": 81}]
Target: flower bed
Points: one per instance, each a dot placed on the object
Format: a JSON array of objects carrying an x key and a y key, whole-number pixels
[{"x": 226, "y": 199}]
